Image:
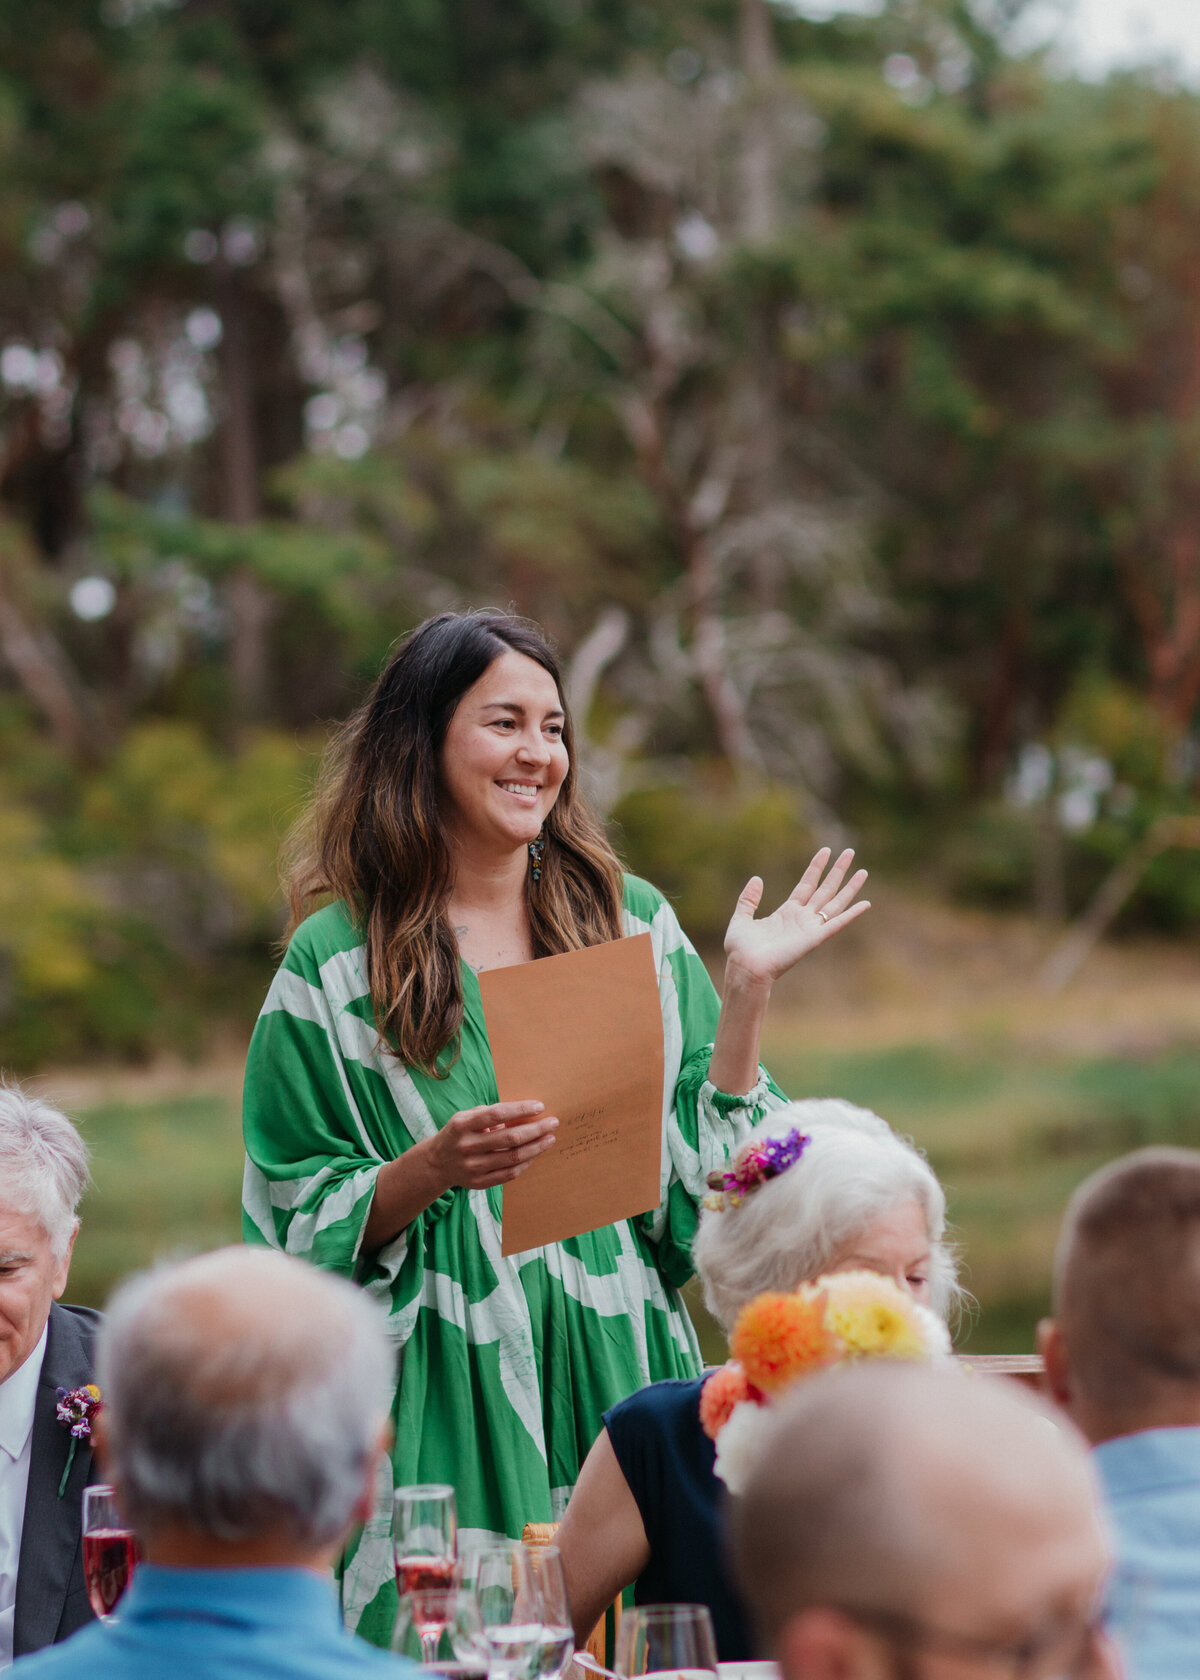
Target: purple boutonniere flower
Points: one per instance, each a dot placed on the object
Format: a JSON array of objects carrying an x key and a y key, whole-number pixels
[{"x": 77, "y": 1409}]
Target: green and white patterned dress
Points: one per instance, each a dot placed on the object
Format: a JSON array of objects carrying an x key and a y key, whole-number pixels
[{"x": 505, "y": 1365}]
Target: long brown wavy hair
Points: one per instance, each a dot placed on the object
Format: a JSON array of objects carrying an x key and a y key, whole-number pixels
[{"x": 374, "y": 835}]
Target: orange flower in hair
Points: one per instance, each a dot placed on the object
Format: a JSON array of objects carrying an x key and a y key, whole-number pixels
[
  {"x": 722, "y": 1391},
  {"x": 778, "y": 1338}
]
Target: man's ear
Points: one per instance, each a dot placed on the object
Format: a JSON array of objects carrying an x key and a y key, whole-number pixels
[
  {"x": 365, "y": 1504},
  {"x": 821, "y": 1644},
  {"x": 100, "y": 1444},
  {"x": 1052, "y": 1345},
  {"x": 63, "y": 1267}
]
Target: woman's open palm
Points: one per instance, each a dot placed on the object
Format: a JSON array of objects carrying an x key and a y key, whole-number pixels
[{"x": 821, "y": 904}]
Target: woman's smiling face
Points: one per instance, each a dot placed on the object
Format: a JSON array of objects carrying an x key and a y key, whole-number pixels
[{"x": 504, "y": 758}]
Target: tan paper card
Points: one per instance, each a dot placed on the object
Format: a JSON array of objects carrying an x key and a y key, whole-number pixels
[{"x": 583, "y": 1034}]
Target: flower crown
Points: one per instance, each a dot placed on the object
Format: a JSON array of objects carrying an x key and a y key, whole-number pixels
[
  {"x": 753, "y": 1166},
  {"x": 779, "y": 1339}
]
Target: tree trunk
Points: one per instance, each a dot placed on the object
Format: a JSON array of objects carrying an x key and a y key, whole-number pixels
[
  {"x": 757, "y": 52},
  {"x": 45, "y": 674},
  {"x": 1069, "y": 955},
  {"x": 644, "y": 425},
  {"x": 251, "y": 607}
]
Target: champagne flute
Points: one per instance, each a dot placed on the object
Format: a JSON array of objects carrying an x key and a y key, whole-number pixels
[
  {"x": 110, "y": 1550},
  {"x": 558, "y": 1635},
  {"x": 425, "y": 1547},
  {"x": 500, "y": 1576},
  {"x": 675, "y": 1639},
  {"x": 463, "y": 1627}
]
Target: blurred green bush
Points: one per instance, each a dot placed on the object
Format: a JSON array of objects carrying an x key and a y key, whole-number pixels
[
  {"x": 700, "y": 842},
  {"x": 1078, "y": 801},
  {"x": 138, "y": 902}
]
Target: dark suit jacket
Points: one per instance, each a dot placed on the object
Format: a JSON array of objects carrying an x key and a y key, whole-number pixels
[{"x": 52, "y": 1599}]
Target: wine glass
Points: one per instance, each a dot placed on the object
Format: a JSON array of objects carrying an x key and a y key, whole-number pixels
[
  {"x": 674, "y": 1639},
  {"x": 110, "y": 1550},
  {"x": 463, "y": 1628},
  {"x": 558, "y": 1636},
  {"x": 500, "y": 1576},
  {"x": 425, "y": 1547}
]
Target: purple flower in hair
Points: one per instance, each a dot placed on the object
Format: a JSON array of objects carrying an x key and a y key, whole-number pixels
[{"x": 763, "y": 1160}]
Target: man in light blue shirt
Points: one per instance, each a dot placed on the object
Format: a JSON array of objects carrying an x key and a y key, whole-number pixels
[
  {"x": 245, "y": 1417},
  {"x": 1123, "y": 1358}
]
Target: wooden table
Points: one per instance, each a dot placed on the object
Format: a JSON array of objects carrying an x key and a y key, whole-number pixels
[{"x": 1024, "y": 1368}]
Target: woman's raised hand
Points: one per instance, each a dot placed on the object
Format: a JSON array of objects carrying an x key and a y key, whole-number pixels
[
  {"x": 479, "y": 1147},
  {"x": 821, "y": 904}
]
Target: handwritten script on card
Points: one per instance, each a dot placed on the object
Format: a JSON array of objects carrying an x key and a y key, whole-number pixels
[{"x": 583, "y": 1034}]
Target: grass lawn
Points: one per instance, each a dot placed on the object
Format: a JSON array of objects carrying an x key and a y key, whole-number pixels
[
  {"x": 167, "y": 1178},
  {"x": 1010, "y": 1135},
  {"x": 932, "y": 1022}
]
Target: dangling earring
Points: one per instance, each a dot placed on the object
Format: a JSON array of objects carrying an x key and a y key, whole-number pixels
[{"x": 536, "y": 848}]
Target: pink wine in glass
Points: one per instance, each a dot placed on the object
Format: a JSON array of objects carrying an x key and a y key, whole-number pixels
[
  {"x": 421, "y": 1574},
  {"x": 109, "y": 1557},
  {"x": 430, "y": 1583}
]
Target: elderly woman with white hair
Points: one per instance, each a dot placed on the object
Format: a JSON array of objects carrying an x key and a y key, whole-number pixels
[{"x": 846, "y": 1194}]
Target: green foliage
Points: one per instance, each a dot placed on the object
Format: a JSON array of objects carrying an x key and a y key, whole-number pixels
[
  {"x": 169, "y": 800},
  {"x": 850, "y": 486},
  {"x": 700, "y": 848},
  {"x": 143, "y": 911},
  {"x": 48, "y": 915}
]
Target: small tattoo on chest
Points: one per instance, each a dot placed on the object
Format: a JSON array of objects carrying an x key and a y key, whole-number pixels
[{"x": 460, "y": 933}]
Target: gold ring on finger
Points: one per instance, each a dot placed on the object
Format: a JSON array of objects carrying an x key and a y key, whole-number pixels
[{"x": 821, "y": 916}]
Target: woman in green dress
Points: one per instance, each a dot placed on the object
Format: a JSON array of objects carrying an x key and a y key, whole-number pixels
[{"x": 449, "y": 837}]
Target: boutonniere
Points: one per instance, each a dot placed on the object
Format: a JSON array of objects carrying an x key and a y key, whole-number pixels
[{"x": 77, "y": 1410}]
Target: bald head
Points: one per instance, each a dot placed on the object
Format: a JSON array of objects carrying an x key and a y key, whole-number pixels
[
  {"x": 1127, "y": 1293},
  {"x": 917, "y": 1491},
  {"x": 245, "y": 1392}
]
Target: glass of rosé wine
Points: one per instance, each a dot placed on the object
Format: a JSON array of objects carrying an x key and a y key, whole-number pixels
[
  {"x": 425, "y": 1546},
  {"x": 110, "y": 1550}
]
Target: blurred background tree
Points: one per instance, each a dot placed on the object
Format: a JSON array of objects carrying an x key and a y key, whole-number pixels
[{"x": 829, "y": 390}]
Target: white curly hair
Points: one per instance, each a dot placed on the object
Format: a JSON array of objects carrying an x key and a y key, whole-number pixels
[{"x": 791, "y": 1228}]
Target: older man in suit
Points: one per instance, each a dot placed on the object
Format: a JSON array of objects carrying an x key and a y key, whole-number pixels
[{"x": 44, "y": 1347}]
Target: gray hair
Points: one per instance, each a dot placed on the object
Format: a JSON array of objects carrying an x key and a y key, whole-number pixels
[
  {"x": 43, "y": 1164},
  {"x": 790, "y": 1229},
  {"x": 244, "y": 1392}
]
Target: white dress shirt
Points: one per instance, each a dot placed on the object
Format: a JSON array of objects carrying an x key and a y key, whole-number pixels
[{"x": 17, "y": 1399}]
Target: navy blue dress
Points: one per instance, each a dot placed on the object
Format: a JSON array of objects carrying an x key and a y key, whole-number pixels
[{"x": 667, "y": 1460}]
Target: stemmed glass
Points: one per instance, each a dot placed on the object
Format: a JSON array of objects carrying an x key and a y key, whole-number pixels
[
  {"x": 558, "y": 1636},
  {"x": 425, "y": 1547},
  {"x": 500, "y": 1577},
  {"x": 110, "y": 1550},
  {"x": 666, "y": 1638}
]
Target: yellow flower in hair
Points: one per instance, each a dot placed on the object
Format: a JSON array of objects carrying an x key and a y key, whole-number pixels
[{"x": 873, "y": 1316}]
